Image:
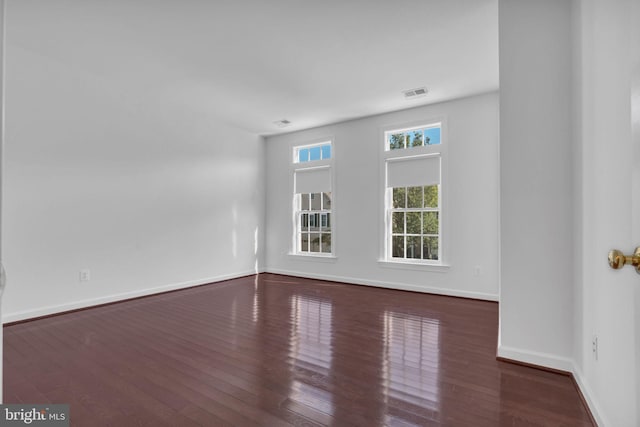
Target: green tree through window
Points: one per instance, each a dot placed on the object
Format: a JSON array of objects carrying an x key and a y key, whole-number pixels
[
  {"x": 415, "y": 222},
  {"x": 406, "y": 139}
]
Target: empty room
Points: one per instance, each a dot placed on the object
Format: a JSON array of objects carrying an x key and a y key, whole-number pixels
[{"x": 338, "y": 213}]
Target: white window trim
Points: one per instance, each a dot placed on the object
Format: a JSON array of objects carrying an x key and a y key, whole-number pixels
[
  {"x": 384, "y": 258},
  {"x": 313, "y": 256},
  {"x": 294, "y": 166},
  {"x": 418, "y": 265}
]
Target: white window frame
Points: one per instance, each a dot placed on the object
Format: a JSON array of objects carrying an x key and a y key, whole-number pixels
[
  {"x": 296, "y": 167},
  {"x": 388, "y": 155}
]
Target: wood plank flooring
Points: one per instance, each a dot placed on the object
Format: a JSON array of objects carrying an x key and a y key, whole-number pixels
[{"x": 273, "y": 350}]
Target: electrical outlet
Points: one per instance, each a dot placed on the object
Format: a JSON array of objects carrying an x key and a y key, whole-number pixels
[
  {"x": 85, "y": 275},
  {"x": 594, "y": 347}
]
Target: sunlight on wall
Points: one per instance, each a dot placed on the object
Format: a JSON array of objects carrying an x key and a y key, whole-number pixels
[
  {"x": 234, "y": 233},
  {"x": 256, "y": 245}
]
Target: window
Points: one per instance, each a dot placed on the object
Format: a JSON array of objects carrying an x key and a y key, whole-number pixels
[
  {"x": 314, "y": 220},
  {"x": 416, "y": 137},
  {"x": 310, "y": 153},
  {"x": 312, "y": 204},
  {"x": 415, "y": 222},
  {"x": 412, "y": 163}
]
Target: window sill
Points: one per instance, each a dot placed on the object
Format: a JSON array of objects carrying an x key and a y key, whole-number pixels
[
  {"x": 418, "y": 266},
  {"x": 313, "y": 257}
]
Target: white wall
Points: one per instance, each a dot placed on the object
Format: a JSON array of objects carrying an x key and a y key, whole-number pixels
[
  {"x": 108, "y": 172},
  {"x": 607, "y": 69},
  {"x": 472, "y": 206},
  {"x": 1, "y": 168},
  {"x": 570, "y": 193},
  {"x": 536, "y": 191}
]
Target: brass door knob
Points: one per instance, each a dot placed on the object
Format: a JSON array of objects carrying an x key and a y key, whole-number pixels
[{"x": 618, "y": 260}]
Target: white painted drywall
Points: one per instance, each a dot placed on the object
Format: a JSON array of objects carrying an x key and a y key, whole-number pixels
[
  {"x": 472, "y": 206},
  {"x": 107, "y": 172},
  {"x": 536, "y": 190},
  {"x": 1, "y": 172},
  {"x": 607, "y": 62},
  {"x": 569, "y": 195},
  {"x": 578, "y": 200}
]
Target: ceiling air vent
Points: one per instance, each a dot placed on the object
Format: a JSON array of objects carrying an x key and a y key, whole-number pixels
[
  {"x": 282, "y": 123},
  {"x": 414, "y": 93}
]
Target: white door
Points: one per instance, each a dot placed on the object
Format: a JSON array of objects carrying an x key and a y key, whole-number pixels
[
  {"x": 609, "y": 300},
  {"x": 617, "y": 83},
  {"x": 635, "y": 178},
  {"x": 635, "y": 140}
]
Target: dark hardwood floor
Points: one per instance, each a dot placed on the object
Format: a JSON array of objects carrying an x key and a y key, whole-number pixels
[{"x": 273, "y": 350}]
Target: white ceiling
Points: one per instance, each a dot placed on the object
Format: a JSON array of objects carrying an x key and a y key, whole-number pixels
[{"x": 253, "y": 62}]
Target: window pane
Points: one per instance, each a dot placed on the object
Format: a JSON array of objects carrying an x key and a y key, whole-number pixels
[
  {"x": 414, "y": 197},
  {"x": 415, "y": 138},
  {"x": 303, "y": 155},
  {"x": 414, "y": 225},
  {"x": 430, "y": 222},
  {"x": 314, "y": 222},
  {"x": 326, "y": 201},
  {"x": 314, "y": 153},
  {"x": 413, "y": 247},
  {"x": 326, "y": 222},
  {"x": 326, "y": 242},
  {"x": 314, "y": 242},
  {"x": 398, "y": 222},
  {"x": 304, "y": 202},
  {"x": 396, "y": 141},
  {"x": 399, "y": 200},
  {"x": 432, "y": 136},
  {"x": 431, "y": 196},
  {"x": 326, "y": 151},
  {"x": 316, "y": 200},
  {"x": 304, "y": 242},
  {"x": 304, "y": 222},
  {"x": 397, "y": 247},
  {"x": 429, "y": 248}
]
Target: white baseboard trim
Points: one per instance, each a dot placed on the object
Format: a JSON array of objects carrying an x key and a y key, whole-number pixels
[
  {"x": 593, "y": 405},
  {"x": 535, "y": 358},
  {"x": 75, "y": 305},
  {"x": 546, "y": 360},
  {"x": 388, "y": 285}
]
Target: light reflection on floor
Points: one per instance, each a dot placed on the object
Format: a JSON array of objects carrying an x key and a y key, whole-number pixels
[
  {"x": 411, "y": 362},
  {"x": 311, "y": 351}
]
